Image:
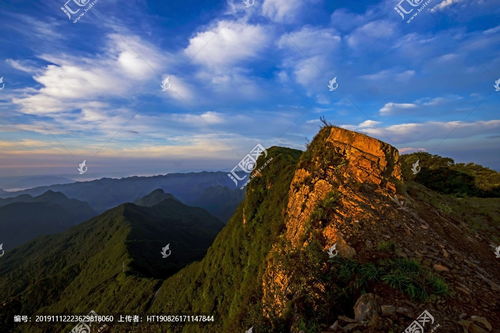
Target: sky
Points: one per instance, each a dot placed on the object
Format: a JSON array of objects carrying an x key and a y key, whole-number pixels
[{"x": 142, "y": 87}]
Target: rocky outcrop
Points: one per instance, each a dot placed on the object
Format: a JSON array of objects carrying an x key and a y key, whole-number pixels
[
  {"x": 347, "y": 196},
  {"x": 335, "y": 171}
]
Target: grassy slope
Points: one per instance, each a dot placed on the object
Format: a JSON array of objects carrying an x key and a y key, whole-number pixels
[
  {"x": 104, "y": 264},
  {"x": 227, "y": 282}
]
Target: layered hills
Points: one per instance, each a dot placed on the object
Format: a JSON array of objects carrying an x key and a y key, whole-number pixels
[
  {"x": 24, "y": 217},
  {"x": 343, "y": 237},
  {"x": 114, "y": 261},
  {"x": 213, "y": 191}
]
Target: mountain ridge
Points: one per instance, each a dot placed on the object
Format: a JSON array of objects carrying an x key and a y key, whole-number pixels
[
  {"x": 193, "y": 189},
  {"x": 118, "y": 250},
  {"x": 24, "y": 217}
]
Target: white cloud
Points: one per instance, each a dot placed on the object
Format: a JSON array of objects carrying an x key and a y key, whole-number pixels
[
  {"x": 390, "y": 75},
  {"x": 344, "y": 20},
  {"x": 421, "y": 103},
  {"x": 443, "y": 4},
  {"x": 24, "y": 66},
  {"x": 69, "y": 82},
  {"x": 22, "y": 144},
  {"x": 422, "y": 132},
  {"x": 207, "y": 118},
  {"x": 178, "y": 89},
  {"x": 227, "y": 44},
  {"x": 310, "y": 41},
  {"x": 390, "y": 108},
  {"x": 282, "y": 10},
  {"x": 136, "y": 58},
  {"x": 309, "y": 56},
  {"x": 407, "y": 150},
  {"x": 370, "y": 32},
  {"x": 368, "y": 124}
]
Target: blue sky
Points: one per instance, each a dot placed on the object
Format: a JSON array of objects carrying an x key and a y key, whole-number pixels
[{"x": 240, "y": 75}]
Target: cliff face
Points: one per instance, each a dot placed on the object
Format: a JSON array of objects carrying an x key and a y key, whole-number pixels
[
  {"x": 347, "y": 169},
  {"x": 344, "y": 196}
]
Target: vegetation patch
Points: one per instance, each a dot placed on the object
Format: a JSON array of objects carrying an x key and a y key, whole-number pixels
[
  {"x": 386, "y": 246},
  {"x": 405, "y": 275},
  {"x": 441, "y": 174}
]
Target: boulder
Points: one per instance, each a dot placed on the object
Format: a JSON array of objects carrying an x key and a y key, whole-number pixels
[{"x": 366, "y": 308}]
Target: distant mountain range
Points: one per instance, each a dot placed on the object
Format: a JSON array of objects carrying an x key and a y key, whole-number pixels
[
  {"x": 24, "y": 217},
  {"x": 213, "y": 191},
  {"x": 24, "y": 182},
  {"x": 116, "y": 253}
]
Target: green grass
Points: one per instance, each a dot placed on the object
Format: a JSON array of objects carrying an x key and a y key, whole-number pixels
[
  {"x": 480, "y": 214},
  {"x": 386, "y": 246},
  {"x": 408, "y": 276},
  {"x": 327, "y": 206}
]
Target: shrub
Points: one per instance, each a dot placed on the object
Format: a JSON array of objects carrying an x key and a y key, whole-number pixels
[
  {"x": 387, "y": 246},
  {"x": 405, "y": 275}
]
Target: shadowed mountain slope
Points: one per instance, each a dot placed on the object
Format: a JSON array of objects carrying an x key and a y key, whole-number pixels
[
  {"x": 24, "y": 217},
  {"x": 114, "y": 261}
]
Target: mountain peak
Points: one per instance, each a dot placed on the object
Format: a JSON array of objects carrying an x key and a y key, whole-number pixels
[
  {"x": 51, "y": 195},
  {"x": 361, "y": 158},
  {"x": 154, "y": 198}
]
